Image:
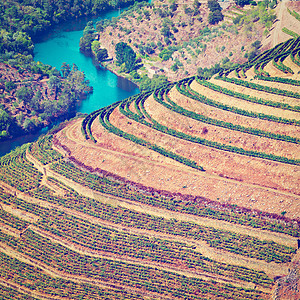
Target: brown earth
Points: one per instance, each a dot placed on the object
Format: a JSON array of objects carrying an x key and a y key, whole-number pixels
[
  {"x": 219, "y": 134},
  {"x": 239, "y": 103},
  {"x": 159, "y": 175},
  {"x": 233, "y": 118}
]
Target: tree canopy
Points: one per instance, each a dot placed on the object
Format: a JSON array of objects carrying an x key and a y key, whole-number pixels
[{"x": 125, "y": 55}]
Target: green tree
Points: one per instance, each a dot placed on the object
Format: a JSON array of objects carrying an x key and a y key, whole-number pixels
[
  {"x": 24, "y": 94},
  {"x": 213, "y": 5},
  {"x": 215, "y": 17},
  {"x": 126, "y": 55},
  {"x": 65, "y": 69},
  {"x": 242, "y": 2}
]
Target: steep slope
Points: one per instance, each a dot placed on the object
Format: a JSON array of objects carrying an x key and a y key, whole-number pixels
[{"x": 190, "y": 191}]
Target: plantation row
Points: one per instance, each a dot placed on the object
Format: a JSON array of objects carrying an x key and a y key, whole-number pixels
[
  {"x": 66, "y": 260},
  {"x": 42, "y": 150},
  {"x": 36, "y": 280},
  {"x": 189, "y": 92},
  {"x": 280, "y": 79},
  {"x": 220, "y": 239},
  {"x": 129, "y": 218},
  {"x": 259, "y": 87},
  {"x": 290, "y": 32},
  {"x": 104, "y": 120},
  {"x": 185, "y": 253},
  {"x": 11, "y": 294},
  {"x": 224, "y": 147},
  {"x": 17, "y": 171},
  {"x": 11, "y": 220},
  {"x": 162, "y": 97},
  {"x": 152, "y": 280},
  {"x": 289, "y": 46},
  {"x": 217, "y": 145},
  {"x": 245, "y": 97},
  {"x": 237, "y": 243},
  {"x": 157, "y": 126},
  {"x": 198, "y": 208},
  {"x": 87, "y": 123},
  {"x": 278, "y": 63},
  {"x": 295, "y": 58}
]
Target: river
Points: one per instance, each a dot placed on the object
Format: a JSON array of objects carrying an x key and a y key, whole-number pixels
[{"x": 60, "y": 45}]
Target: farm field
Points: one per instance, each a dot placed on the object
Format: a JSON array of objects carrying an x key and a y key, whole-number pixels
[{"x": 190, "y": 191}]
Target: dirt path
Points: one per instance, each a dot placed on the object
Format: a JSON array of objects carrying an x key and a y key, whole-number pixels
[{"x": 277, "y": 32}]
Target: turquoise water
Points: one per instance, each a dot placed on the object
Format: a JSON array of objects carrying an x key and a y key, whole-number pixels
[{"x": 60, "y": 45}]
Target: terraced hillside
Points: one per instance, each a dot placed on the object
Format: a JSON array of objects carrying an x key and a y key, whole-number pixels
[{"x": 187, "y": 192}]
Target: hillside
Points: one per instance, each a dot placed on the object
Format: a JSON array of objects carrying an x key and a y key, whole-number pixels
[
  {"x": 32, "y": 99},
  {"x": 190, "y": 191},
  {"x": 176, "y": 39},
  {"x": 32, "y": 94}
]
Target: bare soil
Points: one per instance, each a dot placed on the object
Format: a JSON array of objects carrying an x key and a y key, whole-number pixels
[
  {"x": 242, "y": 104},
  {"x": 233, "y": 118},
  {"x": 185, "y": 180},
  {"x": 219, "y": 134}
]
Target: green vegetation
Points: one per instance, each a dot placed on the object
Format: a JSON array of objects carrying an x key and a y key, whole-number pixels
[
  {"x": 18, "y": 172},
  {"x": 290, "y": 32},
  {"x": 42, "y": 150},
  {"x": 215, "y": 15},
  {"x": 126, "y": 57},
  {"x": 294, "y": 14},
  {"x": 62, "y": 95}
]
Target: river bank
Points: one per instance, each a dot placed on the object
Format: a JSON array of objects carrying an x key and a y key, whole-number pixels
[{"x": 61, "y": 46}]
